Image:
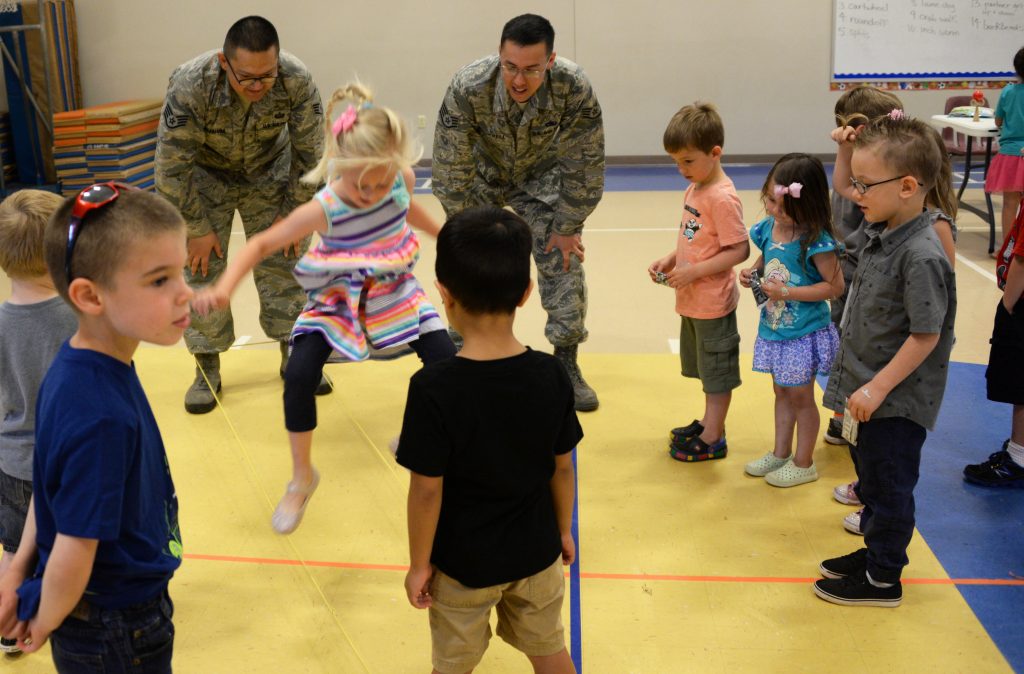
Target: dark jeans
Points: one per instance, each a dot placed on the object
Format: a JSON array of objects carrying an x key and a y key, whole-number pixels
[
  {"x": 888, "y": 461},
  {"x": 14, "y": 497},
  {"x": 306, "y": 363},
  {"x": 865, "y": 514},
  {"x": 137, "y": 639}
]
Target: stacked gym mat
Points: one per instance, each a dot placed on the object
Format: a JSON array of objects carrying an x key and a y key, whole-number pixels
[
  {"x": 30, "y": 138},
  {"x": 114, "y": 141}
]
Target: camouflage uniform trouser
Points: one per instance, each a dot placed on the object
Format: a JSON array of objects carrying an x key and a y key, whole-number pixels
[
  {"x": 281, "y": 298},
  {"x": 563, "y": 294}
]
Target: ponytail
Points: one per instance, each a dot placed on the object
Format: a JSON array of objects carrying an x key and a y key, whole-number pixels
[{"x": 359, "y": 133}]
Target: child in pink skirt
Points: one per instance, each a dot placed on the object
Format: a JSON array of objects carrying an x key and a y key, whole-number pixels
[{"x": 1006, "y": 173}]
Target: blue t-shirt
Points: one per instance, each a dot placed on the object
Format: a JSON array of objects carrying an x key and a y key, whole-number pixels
[
  {"x": 1010, "y": 109},
  {"x": 790, "y": 319},
  {"x": 100, "y": 472}
]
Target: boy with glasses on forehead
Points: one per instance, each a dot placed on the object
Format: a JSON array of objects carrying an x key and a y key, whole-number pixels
[
  {"x": 890, "y": 374},
  {"x": 855, "y": 111},
  {"x": 34, "y": 322},
  {"x": 523, "y": 128},
  {"x": 240, "y": 127},
  {"x": 101, "y": 540}
]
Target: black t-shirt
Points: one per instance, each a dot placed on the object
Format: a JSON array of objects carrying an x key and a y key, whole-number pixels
[{"x": 491, "y": 429}]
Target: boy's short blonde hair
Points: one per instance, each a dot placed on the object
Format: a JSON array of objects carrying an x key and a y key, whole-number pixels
[
  {"x": 105, "y": 235},
  {"x": 23, "y": 218},
  {"x": 863, "y": 104},
  {"x": 697, "y": 126}
]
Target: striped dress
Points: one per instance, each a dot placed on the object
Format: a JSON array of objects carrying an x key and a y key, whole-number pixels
[{"x": 358, "y": 278}]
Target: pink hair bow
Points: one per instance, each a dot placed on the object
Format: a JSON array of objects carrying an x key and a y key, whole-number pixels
[
  {"x": 345, "y": 121},
  {"x": 896, "y": 115},
  {"x": 793, "y": 190}
]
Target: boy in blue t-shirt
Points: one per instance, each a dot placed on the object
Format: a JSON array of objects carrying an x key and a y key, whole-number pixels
[
  {"x": 488, "y": 436},
  {"x": 104, "y": 514}
]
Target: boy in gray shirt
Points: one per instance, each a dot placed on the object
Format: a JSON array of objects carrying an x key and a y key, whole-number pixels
[
  {"x": 890, "y": 372},
  {"x": 34, "y": 322}
]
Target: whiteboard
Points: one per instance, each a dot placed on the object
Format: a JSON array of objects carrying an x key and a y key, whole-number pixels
[{"x": 925, "y": 39}]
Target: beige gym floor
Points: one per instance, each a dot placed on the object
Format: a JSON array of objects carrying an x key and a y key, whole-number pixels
[{"x": 685, "y": 567}]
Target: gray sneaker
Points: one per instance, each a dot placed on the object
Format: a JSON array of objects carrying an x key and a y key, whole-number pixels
[
  {"x": 200, "y": 399},
  {"x": 586, "y": 398}
]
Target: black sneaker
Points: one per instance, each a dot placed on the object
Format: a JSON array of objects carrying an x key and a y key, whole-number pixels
[
  {"x": 684, "y": 433},
  {"x": 999, "y": 471},
  {"x": 9, "y": 646},
  {"x": 834, "y": 432},
  {"x": 847, "y": 565},
  {"x": 856, "y": 590}
]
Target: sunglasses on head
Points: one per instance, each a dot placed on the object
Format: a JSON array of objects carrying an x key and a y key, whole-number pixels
[{"x": 90, "y": 199}]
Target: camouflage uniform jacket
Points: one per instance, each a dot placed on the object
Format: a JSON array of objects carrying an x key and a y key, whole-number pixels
[
  {"x": 207, "y": 133},
  {"x": 555, "y": 154}
]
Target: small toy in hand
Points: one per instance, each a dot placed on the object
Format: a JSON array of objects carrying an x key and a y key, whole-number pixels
[
  {"x": 760, "y": 296},
  {"x": 661, "y": 277},
  {"x": 977, "y": 100}
]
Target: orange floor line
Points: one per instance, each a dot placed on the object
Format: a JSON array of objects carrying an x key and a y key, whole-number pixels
[{"x": 602, "y": 576}]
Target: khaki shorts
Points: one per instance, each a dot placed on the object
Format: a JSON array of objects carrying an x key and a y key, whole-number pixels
[
  {"x": 709, "y": 350},
  {"x": 529, "y": 617}
]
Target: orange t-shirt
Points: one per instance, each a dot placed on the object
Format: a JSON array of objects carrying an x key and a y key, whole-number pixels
[{"x": 712, "y": 220}]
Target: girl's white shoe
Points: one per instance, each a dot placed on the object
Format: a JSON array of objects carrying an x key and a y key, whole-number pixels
[
  {"x": 791, "y": 475},
  {"x": 765, "y": 465},
  {"x": 287, "y": 521}
]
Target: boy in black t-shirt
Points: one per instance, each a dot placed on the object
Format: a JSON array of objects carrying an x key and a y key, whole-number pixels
[{"x": 488, "y": 436}]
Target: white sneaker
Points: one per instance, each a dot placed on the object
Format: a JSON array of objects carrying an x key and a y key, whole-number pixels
[{"x": 852, "y": 523}]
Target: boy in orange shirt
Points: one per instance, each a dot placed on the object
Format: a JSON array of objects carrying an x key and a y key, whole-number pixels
[{"x": 712, "y": 240}]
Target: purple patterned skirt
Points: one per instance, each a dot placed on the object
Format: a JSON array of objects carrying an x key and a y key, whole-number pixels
[{"x": 794, "y": 362}]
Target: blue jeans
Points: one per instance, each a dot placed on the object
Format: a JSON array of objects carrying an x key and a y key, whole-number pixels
[
  {"x": 888, "y": 458},
  {"x": 14, "y": 497},
  {"x": 138, "y": 639}
]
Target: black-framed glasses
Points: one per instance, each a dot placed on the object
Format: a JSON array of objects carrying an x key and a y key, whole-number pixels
[
  {"x": 249, "y": 82},
  {"x": 529, "y": 73},
  {"x": 862, "y": 188},
  {"x": 90, "y": 199}
]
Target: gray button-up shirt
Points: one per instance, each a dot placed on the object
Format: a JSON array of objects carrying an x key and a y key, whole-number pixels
[{"x": 904, "y": 284}]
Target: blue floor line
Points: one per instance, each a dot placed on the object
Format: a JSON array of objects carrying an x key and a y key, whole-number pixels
[
  {"x": 975, "y": 532},
  {"x": 666, "y": 178},
  {"x": 575, "y": 627}
]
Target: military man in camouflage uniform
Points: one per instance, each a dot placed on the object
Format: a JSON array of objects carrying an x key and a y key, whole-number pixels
[
  {"x": 523, "y": 128},
  {"x": 239, "y": 128}
]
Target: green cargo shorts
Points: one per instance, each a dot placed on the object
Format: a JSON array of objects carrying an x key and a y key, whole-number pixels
[{"x": 709, "y": 350}]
